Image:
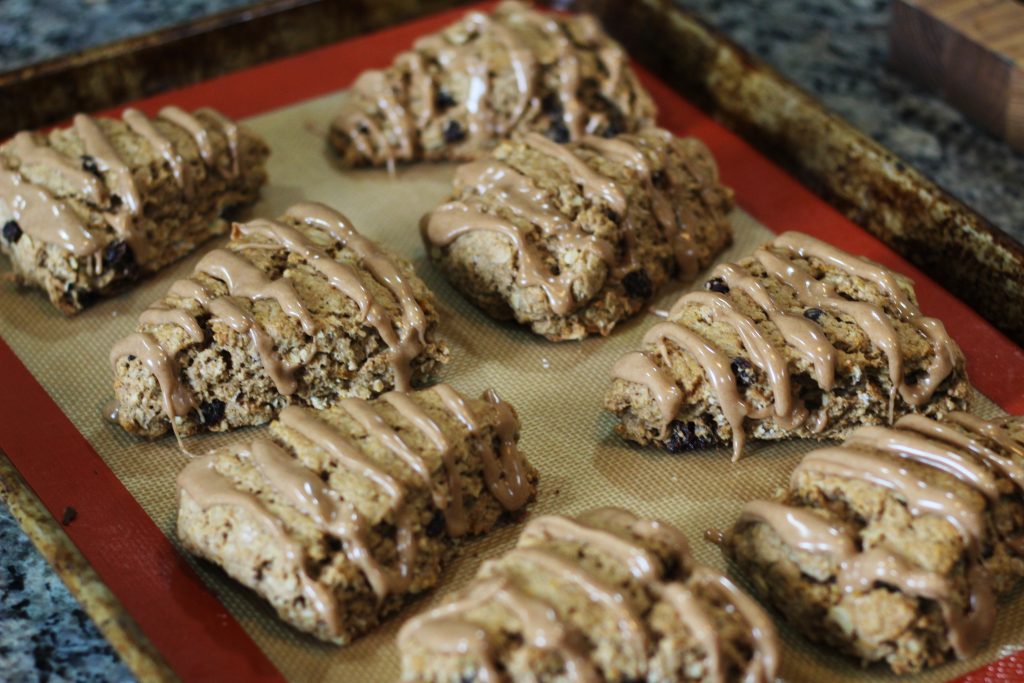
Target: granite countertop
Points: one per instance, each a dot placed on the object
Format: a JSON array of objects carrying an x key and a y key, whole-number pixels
[{"x": 835, "y": 49}]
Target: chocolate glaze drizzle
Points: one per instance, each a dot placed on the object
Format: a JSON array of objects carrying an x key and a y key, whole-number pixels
[
  {"x": 806, "y": 339},
  {"x": 144, "y": 128},
  {"x": 449, "y": 629},
  {"x": 551, "y": 234},
  {"x": 676, "y": 218},
  {"x": 176, "y": 398},
  {"x": 972, "y": 450},
  {"x": 297, "y": 487},
  {"x": 44, "y": 217},
  {"x": 875, "y": 467},
  {"x": 300, "y": 488},
  {"x": 30, "y": 153},
  {"x": 121, "y": 182},
  {"x": 388, "y": 110},
  {"x": 246, "y": 281},
  {"x": 411, "y": 341},
  {"x": 112, "y": 189}
]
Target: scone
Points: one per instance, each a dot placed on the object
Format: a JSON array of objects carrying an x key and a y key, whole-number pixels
[
  {"x": 604, "y": 597},
  {"x": 89, "y": 208},
  {"x": 345, "y": 513},
  {"x": 571, "y": 239},
  {"x": 801, "y": 339},
  {"x": 303, "y": 310},
  {"x": 457, "y": 92},
  {"x": 893, "y": 547}
]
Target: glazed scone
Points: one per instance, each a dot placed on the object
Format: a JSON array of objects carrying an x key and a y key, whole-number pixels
[
  {"x": 345, "y": 513},
  {"x": 604, "y": 597},
  {"x": 88, "y": 208},
  {"x": 572, "y": 239},
  {"x": 303, "y": 310},
  {"x": 801, "y": 339},
  {"x": 458, "y": 92},
  {"x": 893, "y": 547}
]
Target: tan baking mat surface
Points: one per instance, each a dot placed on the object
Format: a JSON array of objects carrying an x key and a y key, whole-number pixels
[{"x": 557, "y": 389}]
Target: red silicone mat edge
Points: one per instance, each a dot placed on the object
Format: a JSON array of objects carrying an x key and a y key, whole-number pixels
[
  {"x": 184, "y": 621},
  {"x": 182, "y": 618}
]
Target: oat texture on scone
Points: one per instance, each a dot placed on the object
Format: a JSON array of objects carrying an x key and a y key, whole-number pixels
[
  {"x": 89, "y": 208},
  {"x": 345, "y": 513},
  {"x": 456, "y": 93},
  {"x": 606, "y": 596},
  {"x": 572, "y": 239},
  {"x": 302, "y": 310},
  {"x": 894, "y": 547},
  {"x": 800, "y": 339}
]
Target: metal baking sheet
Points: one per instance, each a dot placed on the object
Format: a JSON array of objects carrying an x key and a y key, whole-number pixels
[{"x": 556, "y": 387}]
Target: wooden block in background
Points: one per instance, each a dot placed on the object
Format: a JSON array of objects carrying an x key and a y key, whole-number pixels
[{"x": 972, "y": 51}]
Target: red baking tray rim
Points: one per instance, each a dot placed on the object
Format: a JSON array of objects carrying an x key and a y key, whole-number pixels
[{"x": 183, "y": 619}]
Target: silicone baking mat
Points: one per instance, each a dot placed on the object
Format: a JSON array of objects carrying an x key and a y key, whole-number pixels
[{"x": 56, "y": 380}]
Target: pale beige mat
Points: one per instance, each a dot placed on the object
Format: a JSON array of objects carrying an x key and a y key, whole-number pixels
[{"x": 556, "y": 388}]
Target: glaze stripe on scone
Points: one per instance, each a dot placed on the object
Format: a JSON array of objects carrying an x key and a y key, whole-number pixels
[
  {"x": 87, "y": 208},
  {"x": 303, "y": 310},
  {"x": 571, "y": 239},
  {"x": 458, "y": 92},
  {"x": 346, "y": 512},
  {"x": 607, "y": 596},
  {"x": 894, "y": 546},
  {"x": 801, "y": 339}
]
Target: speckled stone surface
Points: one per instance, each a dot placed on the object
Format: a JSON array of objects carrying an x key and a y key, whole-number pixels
[
  {"x": 838, "y": 51},
  {"x": 35, "y": 30},
  {"x": 835, "y": 49},
  {"x": 44, "y": 633}
]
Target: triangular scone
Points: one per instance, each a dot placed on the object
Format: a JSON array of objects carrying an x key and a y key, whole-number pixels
[
  {"x": 895, "y": 546},
  {"x": 801, "y": 339},
  {"x": 458, "y": 92},
  {"x": 606, "y": 596},
  {"x": 89, "y": 208},
  {"x": 345, "y": 513},
  {"x": 571, "y": 239},
  {"x": 303, "y": 310}
]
